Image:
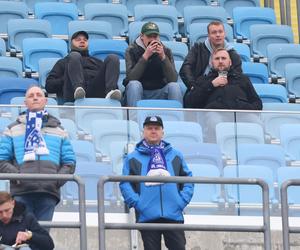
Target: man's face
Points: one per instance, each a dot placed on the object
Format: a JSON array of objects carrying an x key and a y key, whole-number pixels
[
  {"x": 216, "y": 35},
  {"x": 148, "y": 39},
  {"x": 80, "y": 42},
  {"x": 6, "y": 211},
  {"x": 35, "y": 99},
  {"x": 221, "y": 60},
  {"x": 153, "y": 133}
]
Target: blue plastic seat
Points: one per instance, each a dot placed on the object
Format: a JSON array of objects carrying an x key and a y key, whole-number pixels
[
  {"x": 2, "y": 47},
  {"x": 115, "y": 14},
  {"x": 4, "y": 122},
  {"x": 10, "y": 67},
  {"x": 101, "y": 48},
  {"x": 179, "y": 49},
  {"x": 271, "y": 92},
  {"x": 85, "y": 116},
  {"x": 45, "y": 66},
  {"x": 244, "y": 17},
  {"x": 243, "y": 50},
  {"x": 130, "y": 4},
  {"x": 181, "y": 4},
  {"x": 95, "y": 29},
  {"x": 290, "y": 140},
  {"x": 70, "y": 126},
  {"x": 81, "y": 4},
  {"x": 257, "y": 72},
  {"x": 84, "y": 151},
  {"x": 18, "y": 29},
  {"x": 203, "y": 14},
  {"x": 58, "y": 14},
  {"x": 36, "y": 48},
  {"x": 261, "y": 35},
  {"x": 122, "y": 75},
  {"x": 229, "y": 5},
  {"x": 31, "y": 3},
  {"x": 292, "y": 78}
]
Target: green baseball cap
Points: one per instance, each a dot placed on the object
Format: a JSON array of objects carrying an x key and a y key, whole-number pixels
[{"x": 150, "y": 28}]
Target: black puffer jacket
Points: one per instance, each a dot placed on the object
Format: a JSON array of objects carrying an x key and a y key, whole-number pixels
[{"x": 22, "y": 221}]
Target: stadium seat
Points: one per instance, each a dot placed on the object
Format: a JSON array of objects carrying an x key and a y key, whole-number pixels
[
  {"x": 18, "y": 29},
  {"x": 290, "y": 140},
  {"x": 231, "y": 135},
  {"x": 11, "y": 10},
  {"x": 95, "y": 29},
  {"x": 113, "y": 130},
  {"x": 181, "y": 4},
  {"x": 59, "y": 14},
  {"x": 45, "y": 66},
  {"x": 115, "y": 14},
  {"x": 84, "y": 151},
  {"x": 179, "y": 49},
  {"x": 157, "y": 13},
  {"x": 31, "y": 3},
  {"x": 244, "y": 17},
  {"x": 130, "y": 4},
  {"x": 70, "y": 126},
  {"x": 36, "y": 48},
  {"x": 271, "y": 92},
  {"x": 203, "y": 14},
  {"x": 229, "y": 5},
  {"x": 257, "y": 72},
  {"x": 165, "y": 31},
  {"x": 292, "y": 78},
  {"x": 101, "y": 48},
  {"x": 198, "y": 33},
  {"x": 243, "y": 50},
  {"x": 261, "y": 35},
  {"x": 2, "y": 47},
  {"x": 85, "y": 116},
  {"x": 122, "y": 75},
  {"x": 4, "y": 122},
  {"x": 10, "y": 67},
  {"x": 185, "y": 132},
  {"x": 81, "y": 4},
  {"x": 279, "y": 55}
]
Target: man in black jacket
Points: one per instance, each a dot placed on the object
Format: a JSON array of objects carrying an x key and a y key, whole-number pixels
[
  {"x": 18, "y": 227},
  {"x": 79, "y": 75},
  {"x": 197, "y": 62}
]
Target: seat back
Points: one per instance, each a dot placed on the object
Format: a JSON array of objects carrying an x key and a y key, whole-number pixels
[
  {"x": 101, "y": 48},
  {"x": 10, "y": 67},
  {"x": 45, "y": 66},
  {"x": 292, "y": 78},
  {"x": 229, "y": 5},
  {"x": 257, "y": 72},
  {"x": 81, "y": 4},
  {"x": 181, "y": 4},
  {"x": 2, "y": 47},
  {"x": 84, "y": 151},
  {"x": 243, "y": 50},
  {"x": 70, "y": 126},
  {"x": 271, "y": 92},
  {"x": 179, "y": 49},
  {"x": 290, "y": 140},
  {"x": 130, "y": 4}
]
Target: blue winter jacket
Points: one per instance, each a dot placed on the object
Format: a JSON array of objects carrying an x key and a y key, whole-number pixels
[{"x": 160, "y": 201}]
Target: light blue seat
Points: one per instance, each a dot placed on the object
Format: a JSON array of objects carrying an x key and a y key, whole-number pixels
[
  {"x": 115, "y": 14},
  {"x": 198, "y": 33},
  {"x": 36, "y": 48},
  {"x": 2, "y": 47},
  {"x": 111, "y": 131},
  {"x": 95, "y": 29},
  {"x": 81, "y": 4},
  {"x": 231, "y": 135},
  {"x": 84, "y": 151},
  {"x": 244, "y": 17},
  {"x": 101, "y": 48},
  {"x": 11, "y": 10},
  {"x": 292, "y": 78},
  {"x": 185, "y": 132},
  {"x": 4, "y": 122},
  {"x": 257, "y": 72},
  {"x": 261, "y": 35},
  {"x": 179, "y": 49},
  {"x": 58, "y": 14},
  {"x": 130, "y": 4},
  {"x": 18, "y": 29},
  {"x": 181, "y": 4},
  {"x": 229, "y": 5},
  {"x": 203, "y": 14},
  {"x": 70, "y": 126},
  {"x": 157, "y": 13},
  {"x": 122, "y": 75},
  {"x": 10, "y": 67},
  {"x": 45, "y": 66},
  {"x": 271, "y": 92},
  {"x": 31, "y": 3},
  {"x": 243, "y": 50},
  {"x": 85, "y": 116},
  {"x": 290, "y": 140},
  {"x": 165, "y": 31}
]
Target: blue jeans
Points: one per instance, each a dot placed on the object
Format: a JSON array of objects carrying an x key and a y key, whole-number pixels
[
  {"x": 40, "y": 204},
  {"x": 135, "y": 92}
]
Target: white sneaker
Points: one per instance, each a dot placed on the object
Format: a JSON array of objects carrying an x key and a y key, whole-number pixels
[
  {"x": 79, "y": 93},
  {"x": 114, "y": 94}
]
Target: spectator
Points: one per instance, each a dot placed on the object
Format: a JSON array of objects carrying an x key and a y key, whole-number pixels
[
  {"x": 157, "y": 202},
  {"x": 79, "y": 75},
  {"x": 18, "y": 227},
  {"x": 197, "y": 62},
  {"x": 150, "y": 69},
  {"x": 36, "y": 143},
  {"x": 224, "y": 88}
]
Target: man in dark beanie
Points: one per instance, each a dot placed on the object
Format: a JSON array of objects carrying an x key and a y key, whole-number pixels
[{"x": 79, "y": 75}]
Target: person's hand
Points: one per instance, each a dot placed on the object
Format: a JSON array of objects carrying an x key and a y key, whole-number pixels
[
  {"x": 151, "y": 49},
  {"x": 22, "y": 237},
  {"x": 160, "y": 51},
  {"x": 220, "y": 81}
]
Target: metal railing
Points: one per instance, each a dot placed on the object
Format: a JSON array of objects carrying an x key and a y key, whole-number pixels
[
  {"x": 102, "y": 225},
  {"x": 286, "y": 229},
  {"x": 81, "y": 190}
]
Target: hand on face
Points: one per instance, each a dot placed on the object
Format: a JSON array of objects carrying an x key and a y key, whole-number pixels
[{"x": 151, "y": 49}]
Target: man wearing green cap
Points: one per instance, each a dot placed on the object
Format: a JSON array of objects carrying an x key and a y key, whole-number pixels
[{"x": 150, "y": 69}]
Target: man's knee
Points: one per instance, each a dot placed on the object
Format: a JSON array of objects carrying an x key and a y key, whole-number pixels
[
  {"x": 173, "y": 86},
  {"x": 112, "y": 59},
  {"x": 134, "y": 85}
]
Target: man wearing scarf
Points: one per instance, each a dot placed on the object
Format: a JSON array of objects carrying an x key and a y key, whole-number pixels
[
  {"x": 36, "y": 143},
  {"x": 197, "y": 62},
  {"x": 80, "y": 75},
  {"x": 157, "y": 202}
]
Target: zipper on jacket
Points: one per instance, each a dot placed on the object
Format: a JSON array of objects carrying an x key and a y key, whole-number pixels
[{"x": 161, "y": 201}]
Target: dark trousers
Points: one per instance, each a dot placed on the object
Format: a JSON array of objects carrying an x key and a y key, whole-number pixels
[{"x": 174, "y": 240}]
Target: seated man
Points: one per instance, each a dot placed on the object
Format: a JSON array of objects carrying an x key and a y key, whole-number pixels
[
  {"x": 150, "y": 69},
  {"x": 224, "y": 88},
  {"x": 79, "y": 75},
  {"x": 18, "y": 227}
]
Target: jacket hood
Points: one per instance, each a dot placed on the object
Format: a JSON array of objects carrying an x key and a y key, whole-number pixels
[{"x": 144, "y": 150}]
